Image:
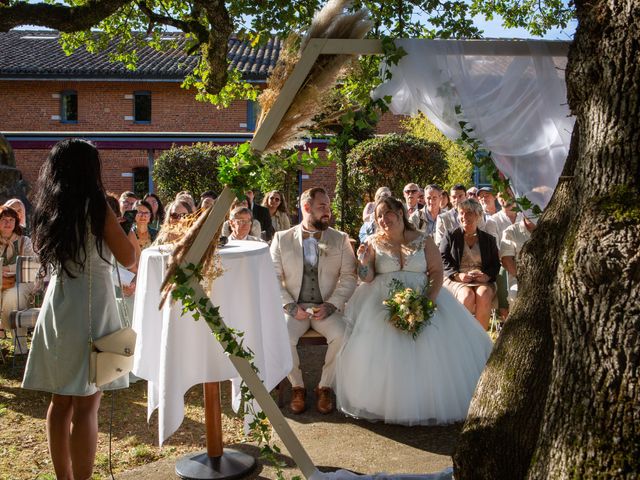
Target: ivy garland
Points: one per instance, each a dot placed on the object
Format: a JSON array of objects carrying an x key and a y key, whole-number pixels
[
  {"x": 481, "y": 158},
  {"x": 232, "y": 341},
  {"x": 240, "y": 173}
]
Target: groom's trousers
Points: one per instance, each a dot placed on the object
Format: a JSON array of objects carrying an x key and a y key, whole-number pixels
[{"x": 332, "y": 329}]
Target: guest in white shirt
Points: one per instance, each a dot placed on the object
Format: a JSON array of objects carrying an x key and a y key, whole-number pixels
[
  {"x": 503, "y": 219},
  {"x": 425, "y": 219},
  {"x": 513, "y": 239},
  {"x": 411, "y": 193},
  {"x": 240, "y": 221},
  {"x": 488, "y": 200}
]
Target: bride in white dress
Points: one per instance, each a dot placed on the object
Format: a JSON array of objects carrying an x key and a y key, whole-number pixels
[{"x": 383, "y": 373}]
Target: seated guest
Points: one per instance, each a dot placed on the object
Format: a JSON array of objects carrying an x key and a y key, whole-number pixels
[
  {"x": 207, "y": 199},
  {"x": 145, "y": 234},
  {"x": 513, "y": 238},
  {"x": 488, "y": 200},
  {"x": 367, "y": 211},
  {"x": 156, "y": 208},
  {"x": 261, "y": 214},
  {"x": 127, "y": 200},
  {"x": 255, "y": 225},
  {"x": 275, "y": 202},
  {"x": 240, "y": 221},
  {"x": 369, "y": 225},
  {"x": 425, "y": 219},
  {"x": 448, "y": 221},
  {"x": 186, "y": 197},
  {"x": 471, "y": 263},
  {"x": 176, "y": 211},
  {"x": 12, "y": 244},
  {"x": 504, "y": 218},
  {"x": 19, "y": 207},
  {"x": 445, "y": 202}
]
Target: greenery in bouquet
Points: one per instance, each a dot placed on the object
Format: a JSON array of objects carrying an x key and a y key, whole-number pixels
[{"x": 409, "y": 310}]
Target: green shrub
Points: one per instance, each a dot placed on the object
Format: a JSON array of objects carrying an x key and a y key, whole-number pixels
[
  {"x": 192, "y": 168},
  {"x": 393, "y": 161},
  {"x": 459, "y": 168}
]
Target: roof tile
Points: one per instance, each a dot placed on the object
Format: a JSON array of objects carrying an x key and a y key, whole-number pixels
[{"x": 37, "y": 54}]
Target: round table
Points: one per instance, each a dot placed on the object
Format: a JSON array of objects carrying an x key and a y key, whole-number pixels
[{"x": 174, "y": 352}]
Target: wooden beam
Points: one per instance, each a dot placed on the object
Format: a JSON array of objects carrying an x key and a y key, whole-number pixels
[
  {"x": 266, "y": 402},
  {"x": 269, "y": 125}
]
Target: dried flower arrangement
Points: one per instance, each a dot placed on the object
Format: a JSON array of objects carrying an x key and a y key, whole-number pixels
[{"x": 333, "y": 21}]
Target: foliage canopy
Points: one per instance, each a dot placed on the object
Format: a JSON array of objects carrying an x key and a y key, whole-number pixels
[
  {"x": 208, "y": 25},
  {"x": 459, "y": 168},
  {"x": 392, "y": 161},
  {"x": 193, "y": 168}
]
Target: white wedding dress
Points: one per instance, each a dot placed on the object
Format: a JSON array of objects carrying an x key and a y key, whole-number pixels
[{"x": 385, "y": 374}]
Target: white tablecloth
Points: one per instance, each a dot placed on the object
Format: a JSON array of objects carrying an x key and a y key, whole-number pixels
[{"x": 174, "y": 352}]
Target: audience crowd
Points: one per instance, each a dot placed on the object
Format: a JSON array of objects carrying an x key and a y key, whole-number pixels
[{"x": 478, "y": 233}]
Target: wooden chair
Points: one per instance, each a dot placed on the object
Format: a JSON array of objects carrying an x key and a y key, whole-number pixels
[{"x": 310, "y": 337}]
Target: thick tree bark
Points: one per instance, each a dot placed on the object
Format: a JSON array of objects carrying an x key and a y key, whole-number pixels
[
  {"x": 500, "y": 434},
  {"x": 582, "y": 279},
  {"x": 210, "y": 24},
  {"x": 59, "y": 17}
]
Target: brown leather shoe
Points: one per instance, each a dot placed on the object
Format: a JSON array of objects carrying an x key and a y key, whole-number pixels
[
  {"x": 297, "y": 399},
  {"x": 324, "y": 400}
]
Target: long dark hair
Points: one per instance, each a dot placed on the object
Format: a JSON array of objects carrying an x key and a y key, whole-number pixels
[
  {"x": 70, "y": 193},
  {"x": 160, "y": 213},
  {"x": 396, "y": 206}
]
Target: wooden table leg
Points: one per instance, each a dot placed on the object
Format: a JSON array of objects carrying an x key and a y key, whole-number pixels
[
  {"x": 217, "y": 462},
  {"x": 213, "y": 418}
]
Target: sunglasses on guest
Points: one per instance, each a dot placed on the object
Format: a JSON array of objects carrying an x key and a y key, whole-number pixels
[{"x": 177, "y": 216}]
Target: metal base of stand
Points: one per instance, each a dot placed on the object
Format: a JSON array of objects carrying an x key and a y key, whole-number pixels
[{"x": 232, "y": 464}]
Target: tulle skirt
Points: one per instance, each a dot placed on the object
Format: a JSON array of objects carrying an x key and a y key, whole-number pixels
[{"x": 385, "y": 374}]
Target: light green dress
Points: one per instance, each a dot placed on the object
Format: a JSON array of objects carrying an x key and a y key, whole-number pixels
[{"x": 59, "y": 357}]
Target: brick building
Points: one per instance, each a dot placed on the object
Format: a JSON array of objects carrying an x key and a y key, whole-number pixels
[{"x": 131, "y": 115}]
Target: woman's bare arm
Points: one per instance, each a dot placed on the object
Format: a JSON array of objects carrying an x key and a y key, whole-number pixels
[
  {"x": 435, "y": 270},
  {"x": 117, "y": 241}
]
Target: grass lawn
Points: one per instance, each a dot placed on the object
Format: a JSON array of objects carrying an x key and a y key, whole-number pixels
[{"x": 23, "y": 441}]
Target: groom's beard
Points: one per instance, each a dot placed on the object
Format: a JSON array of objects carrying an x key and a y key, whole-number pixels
[{"x": 321, "y": 223}]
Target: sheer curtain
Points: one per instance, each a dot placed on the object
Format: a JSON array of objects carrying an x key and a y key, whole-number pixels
[{"x": 512, "y": 94}]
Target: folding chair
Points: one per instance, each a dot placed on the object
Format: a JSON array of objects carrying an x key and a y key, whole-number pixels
[{"x": 25, "y": 315}]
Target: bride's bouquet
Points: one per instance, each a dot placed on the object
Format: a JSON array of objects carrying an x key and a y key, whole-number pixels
[{"x": 409, "y": 310}]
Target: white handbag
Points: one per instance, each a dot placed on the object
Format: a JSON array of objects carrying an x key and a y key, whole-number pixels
[{"x": 111, "y": 355}]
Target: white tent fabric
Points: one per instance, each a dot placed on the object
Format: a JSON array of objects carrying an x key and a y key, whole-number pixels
[{"x": 512, "y": 94}]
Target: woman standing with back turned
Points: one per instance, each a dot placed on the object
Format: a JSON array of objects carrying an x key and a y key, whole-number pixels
[{"x": 76, "y": 235}]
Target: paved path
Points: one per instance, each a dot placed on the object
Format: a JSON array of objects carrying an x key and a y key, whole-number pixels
[{"x": 335, "y": 441}]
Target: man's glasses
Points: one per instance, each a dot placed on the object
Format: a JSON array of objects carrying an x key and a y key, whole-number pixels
[
  {"x": 243, "y": 222},
  {"x": 177, "y": 216},
  {"x": 411, "y": 191}
]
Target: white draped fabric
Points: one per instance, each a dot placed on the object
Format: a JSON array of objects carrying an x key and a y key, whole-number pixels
[{"x": 512, "y": 94}]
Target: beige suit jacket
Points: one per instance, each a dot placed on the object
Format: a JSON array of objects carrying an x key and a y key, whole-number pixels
[{"x": 336, "y": 265}]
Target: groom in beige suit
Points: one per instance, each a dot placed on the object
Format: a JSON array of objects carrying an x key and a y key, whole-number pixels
[{"x": 317, "y": 271}]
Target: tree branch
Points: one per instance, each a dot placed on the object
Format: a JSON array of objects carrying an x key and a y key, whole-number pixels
[{"x": 59, "y": 17}]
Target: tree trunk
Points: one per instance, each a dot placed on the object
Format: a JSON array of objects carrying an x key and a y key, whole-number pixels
[{"x": 574, "y": 411}]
